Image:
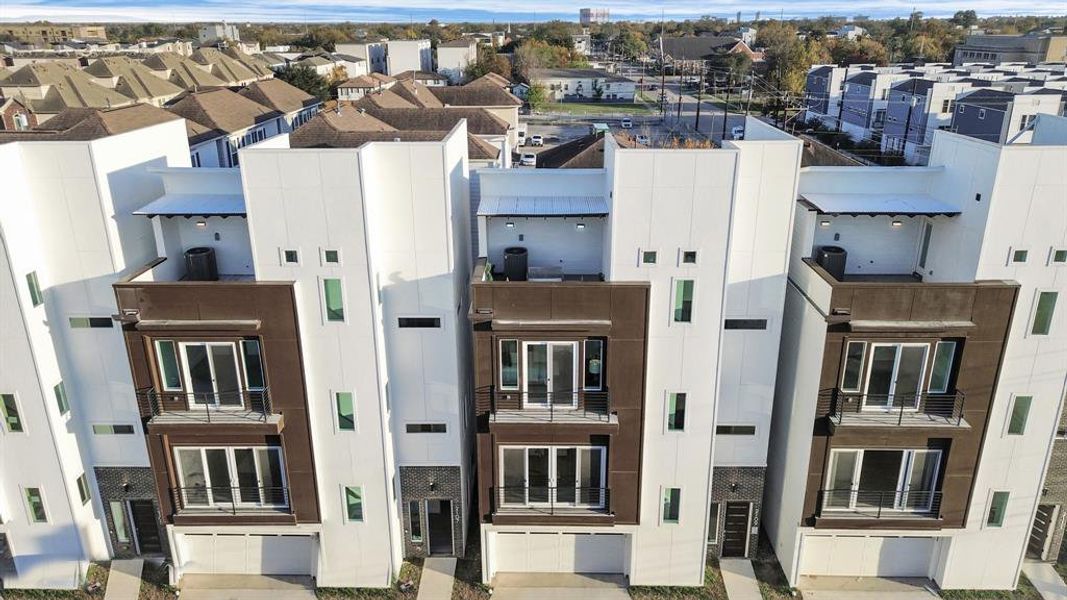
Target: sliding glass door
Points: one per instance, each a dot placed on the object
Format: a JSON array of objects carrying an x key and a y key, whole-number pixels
[
  {"x": 231, "y": 477},
  {"x": 895, "y": 376},
  {"x": 551, "y": 370},
  {"x": 553, "y": 475},
  {"x": 902, "y": 480},
  {"x": 212, "y": 374}
]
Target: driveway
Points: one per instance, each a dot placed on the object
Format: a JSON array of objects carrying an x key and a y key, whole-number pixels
[
  {"x": 246, "y": 587},
  {"x": 866, "y": 588},
  {"x": 558, "y": 586}
]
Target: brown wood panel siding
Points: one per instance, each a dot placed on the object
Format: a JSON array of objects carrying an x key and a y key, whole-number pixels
[
  {"x": 273, "y": 305},
  {"x": 625, "y": 307},
  {"x": 990, "y": 306}
]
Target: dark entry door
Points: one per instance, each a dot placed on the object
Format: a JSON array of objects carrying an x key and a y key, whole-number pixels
[
  {"x": 439, "y": 523},
  {"x": 1043, "y": 524},
  {"x": 143, "y": 515},
  {"x": 735, "y": 529}
]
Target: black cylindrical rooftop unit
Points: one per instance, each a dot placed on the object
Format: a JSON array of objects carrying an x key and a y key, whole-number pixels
[
  {"x": 832, "y": 259},
  {"x": 200, "y": 265},
  {"x": 515, "y": 261}
]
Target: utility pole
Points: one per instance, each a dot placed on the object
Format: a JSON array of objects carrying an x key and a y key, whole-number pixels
[
  {"x": 751, "y": 84},
  {"x": 662, "y": 73},
  {"x": 679, "y": 95},
  {"x": 700, "y": 89},
  {"x": 725, "y": 111}
]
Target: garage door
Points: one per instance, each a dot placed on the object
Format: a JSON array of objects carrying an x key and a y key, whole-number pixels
[
  {"x": 560, "y": 553},
  {"x": 249, "y": 554},
  {"x": 867, "y": 556}
]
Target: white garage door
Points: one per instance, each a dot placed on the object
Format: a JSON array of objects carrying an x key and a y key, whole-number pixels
[
  {"x": 249, "y": 554},
  {"x": 861, "y": 556},
  {"x": 560, "y": 552}
]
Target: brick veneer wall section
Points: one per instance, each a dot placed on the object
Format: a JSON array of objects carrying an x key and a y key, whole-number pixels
[
  {"x": 447, "y": 484},
  {"x": 749, "y": 482},
  {"x": 127, "y": 483}
]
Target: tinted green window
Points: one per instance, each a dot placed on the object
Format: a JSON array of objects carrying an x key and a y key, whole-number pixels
[
  {"x": 346, "y": 415},
  {"x": 36, "y": 297},
  {"x": 850, "y": 380},
  {"x": 509, "y": 363},
  {"x": 354, "y": 503},
  {"x": 292, "y": 256},
  {"x": 648, "y": 257},
  {"x": 997, "y": 507},
  {"x": 1019, "y": 256},
  {"x": 675, "y": 412},
  {"x": 35, "y": 502},
  {"x": 1059, "y": 256},
  {"x": 119, "y": 518},
  {"x": 1046, "y": 306},
  {"x": 672, "y": 500},
  {"x": 335, "y": 310},
  {"x": 1019, "y": 413},
  {"x": 83, "y": 488},
  {"x": 253, "y": 364},
  {"x": 683, "y": 300},
  {"x": 61, "y": 398},
  {"x": 942, "y": 370},
  {"x": 109, "y": 429},
  {"x": 331, "y": 256},
  {"x": 168, "y": 365},
  {"x": 12, "y": 419}
]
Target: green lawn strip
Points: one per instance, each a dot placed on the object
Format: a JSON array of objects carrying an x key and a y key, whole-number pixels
[
  {"x": 579, "y": 108},
  {"x": 410, "y": 572},
  {"x": 713, "y": 588},
  {"x": 1025, "y": 591}
]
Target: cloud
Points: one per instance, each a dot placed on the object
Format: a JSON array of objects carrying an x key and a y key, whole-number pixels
[{"x": 481, "y": 10}]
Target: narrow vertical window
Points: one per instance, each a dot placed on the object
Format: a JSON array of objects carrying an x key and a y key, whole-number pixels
[
  {"x": 672, "y": 499},
  {"x": 167, "y": 355},
  {"x": 683, "y": 301},
  {"x": 354, "y": 503},
  {"x": 594, "y": 365},
  {"x": 940, "y": 376},
  {"x": 928, "y": 232},
  {"x": 509, "y": 364},
  {"x": 35, "y": 505},
  {"x": 346, "y": 412},
  {"x": 713, "y": 523},
  {"x": 36, "y": 297},
  {"x": 61, "y": 398},
  {"x": 998, "y": 505},
  {"x": 83, "y": 489},
  {"x": 850, "y": 378},
  {"x": 1046, "y": 307},
  {"x": 415, "y": 518},
  {"x": 1020, "y": 411},
  {"x": 253, "y": 360},
  {"x": 331, "y": 291},
  {"x": 676, "y": 412},
  {"x": 122, "y": 535},
  {"x": 10, "y": 409}
]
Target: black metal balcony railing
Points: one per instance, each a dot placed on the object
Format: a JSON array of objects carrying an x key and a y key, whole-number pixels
[
  {"x": 231, "y": 500},
  {"x": 891, "y": 504},
  {"x": 552, "y": 500},
  {"x": 551, "y": 406},
  {"x": 899, "y": 409},
  {"x": 219, "y": 406}
]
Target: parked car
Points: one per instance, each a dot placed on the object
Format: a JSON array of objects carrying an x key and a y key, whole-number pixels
[
  {"x": 522, "y": 137},
  {"x": 627, "y": 123},
  {"x": 643, "y": 140},
  {"x": 528, "y": 160},
  {"x": 738, "y": 132},
  {"x": 537, "y": 140}
]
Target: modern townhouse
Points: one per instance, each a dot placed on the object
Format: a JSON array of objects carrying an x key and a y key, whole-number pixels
[
  {"x": 916, "y": 109},
  {"x": 823, "y": 88},
  {"x": 1029, "y": 48},
  {"x": 1000, "y": 116},
  {"x": 454, "y": 57},
  {"x": 921, "y": 374},
  {"x": 221, "y": 122},
  {"x": 619, "y": 429},
  {"x": 374, "y": 53},
  {"x": 864, "y": 102},
  {"x": 408, "y": 55}
]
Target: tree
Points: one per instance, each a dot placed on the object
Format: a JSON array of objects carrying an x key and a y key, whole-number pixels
[
  {"x": 861, "y": 51},
  {"x": 736, "y": 65},
  {"x": 489, "y": 61},
  {"x": 965, "y": 18},
  {"x": 555, "y": 33},
  {"x": 787, "y": 58},
  {"x": 306, "y": 79},
  {"x": 537, "y": 97},
  {"x": 630, "y": 44},
  {"x": 535, "y": 54}
]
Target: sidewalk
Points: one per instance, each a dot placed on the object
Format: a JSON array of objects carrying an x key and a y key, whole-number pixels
[
  {"x": 438, "y": 575},
  {"x": 1046, "y": 579},
  {"x": 739, "y": 579},
  {"x": 124, "y": 580}
]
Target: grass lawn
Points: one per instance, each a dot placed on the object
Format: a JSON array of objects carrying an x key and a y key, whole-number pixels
[
  {"x": 597, "y": 108},
  {"x": 95, "y": 579},
  {"x": 772, "y": 581},
  {"x": 1025, "y": 591},
  {"x": 154, "y": 583},
  {"x": 468, "y": 584},
  {"x": 1061, "y": 568},
  {"x": 410, "y": 572},
  {"x": 713, "y": 588}
]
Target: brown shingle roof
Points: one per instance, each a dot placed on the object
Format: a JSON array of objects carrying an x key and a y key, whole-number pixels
[
  {"x": 493, "y": 78},
  {"x": 279, "y": 95},
  {"x": 416, "y": 93},
  {"x": 351, "y": 129},
  {"x": 385, "y": 99},
  {"x": 221, "y": 112},
  {"x": 183, "y": 72},
  {"x": 419, "y": 76},
  {"x": 253, "y": 62},
  {"x": 83, "y": 124},
  {"x": 583, "y": 153},
  {"x": 383, "y": 78},
  {"x": 133, "y": 79},
  {"x": 479, "y": 120},
  {"x": 361, "y": 82},
  {"x": 350, "y": 118},
  {"x": 223, "y": 67},
  {"x": 68, "y": 87},
  {"x": 475, "y": 94}
]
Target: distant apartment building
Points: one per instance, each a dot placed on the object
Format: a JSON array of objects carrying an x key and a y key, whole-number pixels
[
  {"x": 49, "y": 33},
  {"x": 218, "y": 32},
  {"x": 374, "y": 53},
  {"x": 454, "y": 57},
  {"x": 1029, "y": 48},
  {"x": 823, "y": 89},
  {"x": 590, "y": 16},
  {"x": 999, "y": 116},
  {"x": 583, "y": 43},
  {"x": 864, "y": 102},
  {"x": 916, "y": 109}
]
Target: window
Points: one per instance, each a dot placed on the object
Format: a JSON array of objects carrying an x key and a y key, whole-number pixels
[
  {"x": 346, "y": 412},
  {"x": 672, "y": 500},
  {"x": 122, "y": 535},
  {"x": 509, "y": 364},
  {"x": 61, "y": 398},
  {"x": 230, "y": 477},
  {"x": 211, "y": 371},
  {"x": 1020, "y": 410},
  {"x": 895, "y": 375},
  {"x": 426, "y": 428},
  {"x": 594, "y": 365},
  {"x": 961, "y": 109},
  {"x": 1043, "y": 311},
  {"x": 35, "y": 505},
  {"x": 713, "y": 523},
  {"x": 851, "y": 375},
  {"x": 903, "y": 480},
  {"x": 998, "y": 505},
  {"x": 1019, "y": 256},
  {"x": 1025, "y": 121},
  {"x": 981, "y": 114},
  {"x": 253, "y": 362},
  {"x": 90, "y": 322},
  {"x": 332, "y": 257},
  {"x": 689, "y": 257},
  {"x": 683, "y": 301},
  {"x": 676, "y": 411},
  {"x": 354, "y": 504},
  {"x": 167, "y": 356},
  {"x": 83, "y": 488},
  {"x": 1059, "y": 256},
  {"x": 415, "y": 518},
  {"x": 334, "y": 301},
  {"x": 941, "y": 373},
  {"x": 112, "y": 429},
  {"x": 947, "y": 105},
  {"x": 36, "y": 297},
  {"x": 563, "y": 475},
  {"x": 924, "y": 251},
  {"x": 291, "y": 257},
  {"x": 648, "y": 257},
  {"x": 754, "y": 324},
  {"x": 735, "y": 430},
  {"x": 10, "y": 409},
  {"x": 419, "y": 322}
]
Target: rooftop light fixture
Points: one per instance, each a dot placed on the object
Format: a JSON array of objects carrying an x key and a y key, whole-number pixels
[
  {"x": 509, "y": 225},
  {"x": 898, "y": 224},
  {"x": 580, "y": 226},
  {"x": 824, "y": 223}
]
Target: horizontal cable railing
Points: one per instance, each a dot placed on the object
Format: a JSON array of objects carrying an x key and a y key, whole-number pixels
[
  {"x": 556, "y": 405},
  {"x": 552, "y": 500},
  {"x": 232, "y": 500},
  {"x": 207, "y": 406},
  {"x": 842, "y": 406},
  {"x": 880, "y": 504}
]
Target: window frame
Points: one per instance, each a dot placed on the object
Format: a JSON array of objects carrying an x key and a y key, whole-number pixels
[
  {"x": 239, "y": 370},
  {"x": 861, "y": 375},
  {"x": 157, "y": 346},
  {"x": 33, "y": 284},
  {"x": 1011, "y": 414},
  {"x": 641, "y": 257},
  {"x": 31, "y": 517},
  {"x": 713, "y": 523},
  {"x": 951, "y": 367},
  {"x": 84, "y": 493},
  {"x": 335, "y": 396},
  {"x": 668, "y": 395},
  {"x": 553, "y": 472},
  {"x": 993, "y": 494},
  {"x": 675, "y": 281},
  {"x": 413, "y": 519},
  {"x": 518, "y": 364},
  {"x": 583, "y": 364},
  {"x": 326, "y": 320},
  {"x": 62, "y": 400},
  {"x": 93, "y": 428},
  {"x": 1013, "y": 250},
  {"x": 327, "y": 263},
  {"x": 664, "y": 499},
  {"x": 89, "y": 320},
  {"x": 903, "y": 486},
  {"x": 362, "y": 518},
  {"x": 408, "y": 425},
  {"x": 718, "y": 426},
  {"x": 413, "y": 319},
  {"x": 1032, "y": 321},
  {"x": 1052, "y": 262},
  {"x": 5, "y": 416},
  {"x": 682, "y": 263},
  {"x": 285, "y": 263},
  {"x": 231, "y": 469}
]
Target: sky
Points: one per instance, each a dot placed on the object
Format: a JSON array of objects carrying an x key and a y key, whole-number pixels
[{"x": 501, "y": 11}]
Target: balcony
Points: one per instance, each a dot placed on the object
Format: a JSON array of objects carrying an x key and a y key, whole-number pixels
[
  {"x": 231, "y": 500},
  {"x": 249, "y": 407},
  {"x": 552, "y": 501},
  {"x": 890, "y": 504},
  {"x": 894, "y": 410},
  {"x": 516, "y": 406}
]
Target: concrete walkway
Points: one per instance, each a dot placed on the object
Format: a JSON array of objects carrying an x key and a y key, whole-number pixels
[
  {"x": 438, "y": 576},
  {"x": 559, "y": 586},
  {"x": 124, "y": 580},
  {"x": 866, "y": 588},
  {"x": 1046, "y": 579},
  {"x": 247, "y": 587},
  {"x": 739, "y": 579}
]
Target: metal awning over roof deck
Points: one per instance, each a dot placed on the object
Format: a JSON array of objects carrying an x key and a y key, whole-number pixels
[
  {"x": 897, "y": 204},
  {"x": 195, "y": 205},
  {"x": 542, "y": 206}
]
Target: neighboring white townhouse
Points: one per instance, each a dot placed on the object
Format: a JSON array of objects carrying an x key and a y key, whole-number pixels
[
  {"x": 408, "y": 55},
  {"x": 454, "y": 57}
]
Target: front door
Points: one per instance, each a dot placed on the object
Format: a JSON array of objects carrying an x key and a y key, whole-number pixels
[
  {"x": 551, "y": 370},
  {"x": 1044, "y": 522},
  {"x": 439, "y": 522},
  {"x": 145, "y": 527},
  {"x": 735, "y": 530}
]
